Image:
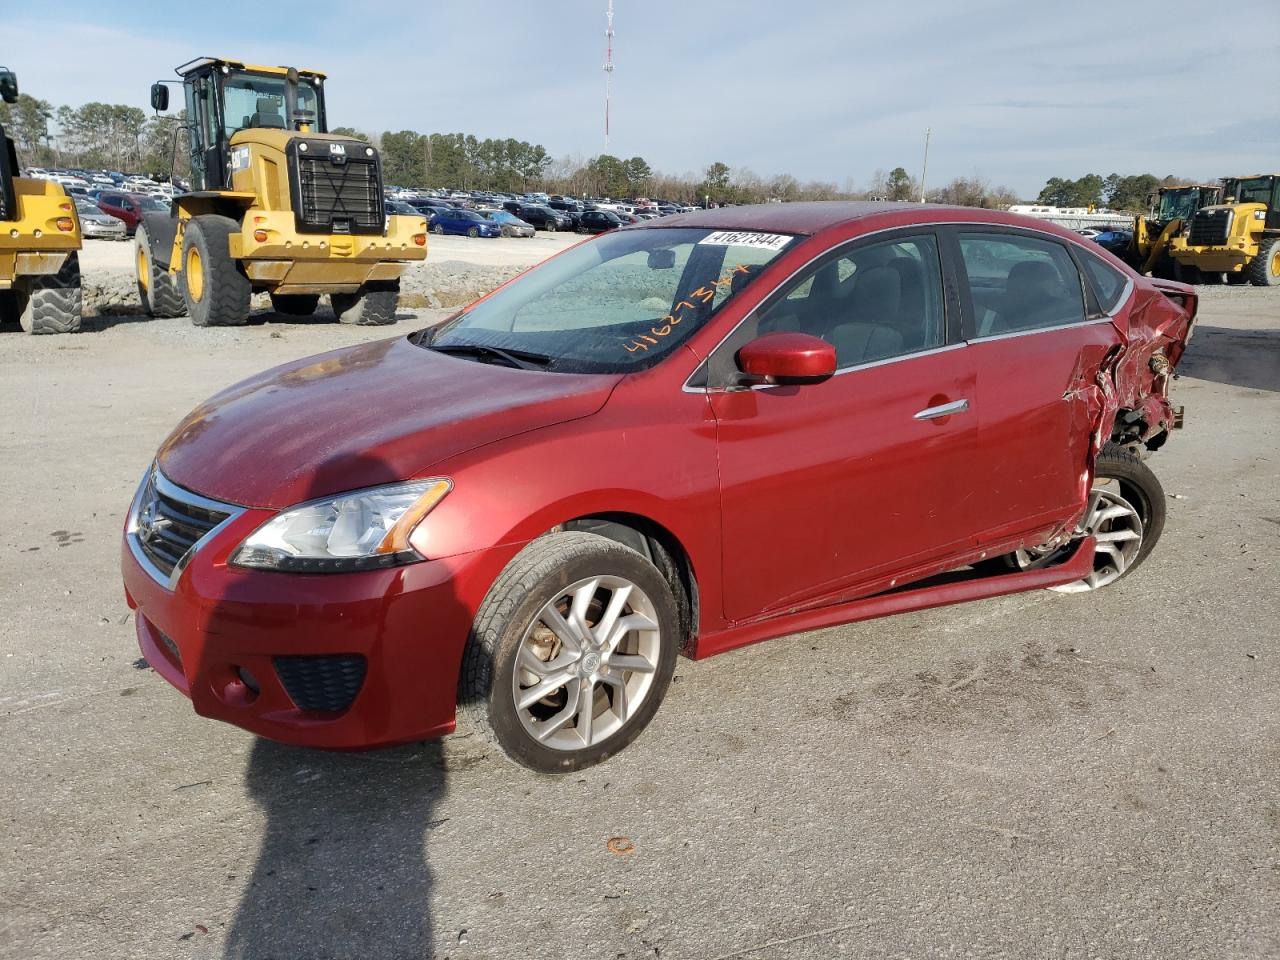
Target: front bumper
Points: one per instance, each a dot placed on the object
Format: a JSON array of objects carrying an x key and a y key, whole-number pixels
[
  {"x": 1217, "y": 259},
  {"x": 94, "y": 231},
  {"x": 222, "y": 631}
]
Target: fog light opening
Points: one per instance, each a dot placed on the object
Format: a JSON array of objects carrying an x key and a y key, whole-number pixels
[{"x": 249, "y": 680}]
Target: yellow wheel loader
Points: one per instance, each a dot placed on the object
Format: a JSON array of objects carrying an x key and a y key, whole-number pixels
[
  {"x": 39, "y": 244},
  {"x": 277, "y": 205},
  {"x": 1238, "y": 239},
  {"x": 1153, "y": 235}
]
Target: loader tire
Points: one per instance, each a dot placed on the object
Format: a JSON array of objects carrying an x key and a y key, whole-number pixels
[
  {"x": 157, "y": 289},
  {"x": 215, "y": 288},
  {"x": 295, "y": 304},
  {"x": 373, "y": 306},
  {"x": 53, "y": 300},
  {"x": 1264, "y": 269}
]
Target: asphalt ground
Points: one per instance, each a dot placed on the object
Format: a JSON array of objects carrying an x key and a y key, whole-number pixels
[{"x": 1033, "y": 776}]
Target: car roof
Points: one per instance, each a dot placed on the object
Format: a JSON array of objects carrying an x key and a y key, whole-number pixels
[{"x": 815, "y": 216}]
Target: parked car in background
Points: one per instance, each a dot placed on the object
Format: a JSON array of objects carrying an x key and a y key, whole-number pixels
[
  {"x": 96, "y": 224},
  {"x": 1115, "y": 241},
  {"x": 544, "y": 218},
  {"x": 463, "y": 223},
  {"x": 429, "y": 208},
  {"x": 599, "y": 221},
  {"x": 618, "y": 458},
  {"x": 511, "y": 225},
  {"x": 400, "y": 208},
  {"x": 129, "y": 207}
]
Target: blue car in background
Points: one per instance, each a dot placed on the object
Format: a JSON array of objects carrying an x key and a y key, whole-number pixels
[
  {"x": 1116, "y": 241},
  {"x": 464, "y": 223}
]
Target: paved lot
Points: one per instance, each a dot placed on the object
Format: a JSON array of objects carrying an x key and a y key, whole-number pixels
[{"x": 1034, "y": 776}]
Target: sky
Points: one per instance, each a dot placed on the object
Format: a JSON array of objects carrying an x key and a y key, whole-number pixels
[{"x": 832, "y": 90}]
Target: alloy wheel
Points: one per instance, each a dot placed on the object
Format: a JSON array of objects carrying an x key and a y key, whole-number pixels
[
  {"x": 586, "y": 663},
  {"x": 1117, "y": 528}
]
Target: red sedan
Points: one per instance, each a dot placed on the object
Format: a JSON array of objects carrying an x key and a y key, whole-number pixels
[{"x": 680, "y": 437}]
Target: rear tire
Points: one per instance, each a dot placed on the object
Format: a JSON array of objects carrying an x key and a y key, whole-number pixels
[
  {"x": 373, "y": 306},
  {"x": 295, "y": 304},
  {"x": 1264, "y": 269},
  {"x": 215, "y": 288},
  {"x": 1127, "y": 499},
  {"x": 53, "y": 300},
  {"x": 608, "y": 683},
  {"x": 158, "y": 290}
]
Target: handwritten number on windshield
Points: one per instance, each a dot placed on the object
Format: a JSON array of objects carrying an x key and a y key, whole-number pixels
[{"x": 679, "y": 312}]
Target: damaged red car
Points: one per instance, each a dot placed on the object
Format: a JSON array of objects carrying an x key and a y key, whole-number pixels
[{"x": 675, "y": 438}]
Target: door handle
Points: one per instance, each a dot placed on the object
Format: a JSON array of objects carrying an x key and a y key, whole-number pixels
[{"x": 945, "y": 410}]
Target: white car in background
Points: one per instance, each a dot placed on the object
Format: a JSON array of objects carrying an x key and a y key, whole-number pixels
[{"x": 96, "y": 224}]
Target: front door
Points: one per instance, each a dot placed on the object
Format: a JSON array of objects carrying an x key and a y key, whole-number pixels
[{"x": 828, "y": 486}]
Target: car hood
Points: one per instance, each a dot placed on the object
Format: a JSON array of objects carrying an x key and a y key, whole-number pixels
[{"x": 361, "y": 416}]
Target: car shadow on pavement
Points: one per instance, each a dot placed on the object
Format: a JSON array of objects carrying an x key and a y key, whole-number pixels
[
  {"x": 342, "y": 869},
  {"x": 1242, "y": 358}
]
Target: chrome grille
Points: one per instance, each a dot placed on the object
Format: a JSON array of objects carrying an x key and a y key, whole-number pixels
[{"x": 168, "y": 523}]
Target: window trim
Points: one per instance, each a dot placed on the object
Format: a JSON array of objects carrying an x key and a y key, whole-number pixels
[
  {"x": 780, "y": 291},
  {"x": 966, "y": 294},
  {"x": 1095, "y": 300}
]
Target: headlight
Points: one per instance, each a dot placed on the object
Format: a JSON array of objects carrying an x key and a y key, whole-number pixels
[{"x": 362, "y": 530}]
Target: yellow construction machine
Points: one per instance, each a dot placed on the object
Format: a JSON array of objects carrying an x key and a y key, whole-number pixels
[
  {"x": 1238, "y": 239},
  {"x": 39, "y": 244},
  {"x": 277, "y": 204},
  {"x": 1153, "y": 235}
]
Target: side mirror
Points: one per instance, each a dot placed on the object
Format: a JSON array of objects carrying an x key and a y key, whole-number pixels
[
  {"x": 788, "y": 358},
  {"x": 8, "y": 86},
  {"x": 159, "y": 97},
  {"x": 662, "y": 259}
]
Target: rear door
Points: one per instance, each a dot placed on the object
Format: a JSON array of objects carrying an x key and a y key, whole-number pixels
[
  {"x": 834, "y": 486},
  {"x": 1037, "y": 353}
]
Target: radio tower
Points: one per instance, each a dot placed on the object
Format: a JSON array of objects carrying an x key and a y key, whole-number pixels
[{"x": 608, "y": 71}]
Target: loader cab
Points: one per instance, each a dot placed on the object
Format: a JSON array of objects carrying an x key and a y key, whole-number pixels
[
  {"x": 8, "y": 155},
  {"x": 1262, "y": 189},
  {"x": 224, "y": 97},
  {"x": 1180, "y": 203}
]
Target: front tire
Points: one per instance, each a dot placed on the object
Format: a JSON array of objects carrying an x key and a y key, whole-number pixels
[
  {"x": 1125, "y": 514},
  {"x": 1264, "y": 269},
  {"x": 571, "y": 652},
  {"x": 158, "y": 291},
  {"x": 373, "y": 306},
  {"x": 549, "y": 226},
  {"x": 50, "y": 302},
  {"x": 215, "y": 288}
]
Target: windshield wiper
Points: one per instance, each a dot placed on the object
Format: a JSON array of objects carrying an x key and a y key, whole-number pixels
[{"x": 521, "y": 359}]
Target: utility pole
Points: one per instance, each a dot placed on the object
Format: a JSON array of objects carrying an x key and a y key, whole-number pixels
[
  {"x": 924, "y": 170},
  {"x": 608, "y": 71}
]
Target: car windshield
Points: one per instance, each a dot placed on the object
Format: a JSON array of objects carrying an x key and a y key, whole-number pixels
[
  {"x": 151, "y": 203},
  {"x": 88, "y": 209},
  {"x": 616, "y": 304}
]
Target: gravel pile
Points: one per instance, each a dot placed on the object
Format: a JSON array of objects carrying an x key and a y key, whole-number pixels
[{"x": 448, "y": 284}]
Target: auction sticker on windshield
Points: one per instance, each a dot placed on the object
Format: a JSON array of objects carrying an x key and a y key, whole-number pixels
[{"x": 744, "y": 238}]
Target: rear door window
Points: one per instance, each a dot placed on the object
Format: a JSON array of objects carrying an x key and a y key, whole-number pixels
[
  {"x": 1108, "y": 283},
  {"x": 1020, "y": 283}
]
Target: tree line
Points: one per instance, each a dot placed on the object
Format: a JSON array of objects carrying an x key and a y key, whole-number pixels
[
  {"x": 1129, "y": 194},
  {"x": 120, "y": 137}
]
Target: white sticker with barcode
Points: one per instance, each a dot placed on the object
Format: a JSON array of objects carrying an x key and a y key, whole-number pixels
[{"x": 747, "y": 238}]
